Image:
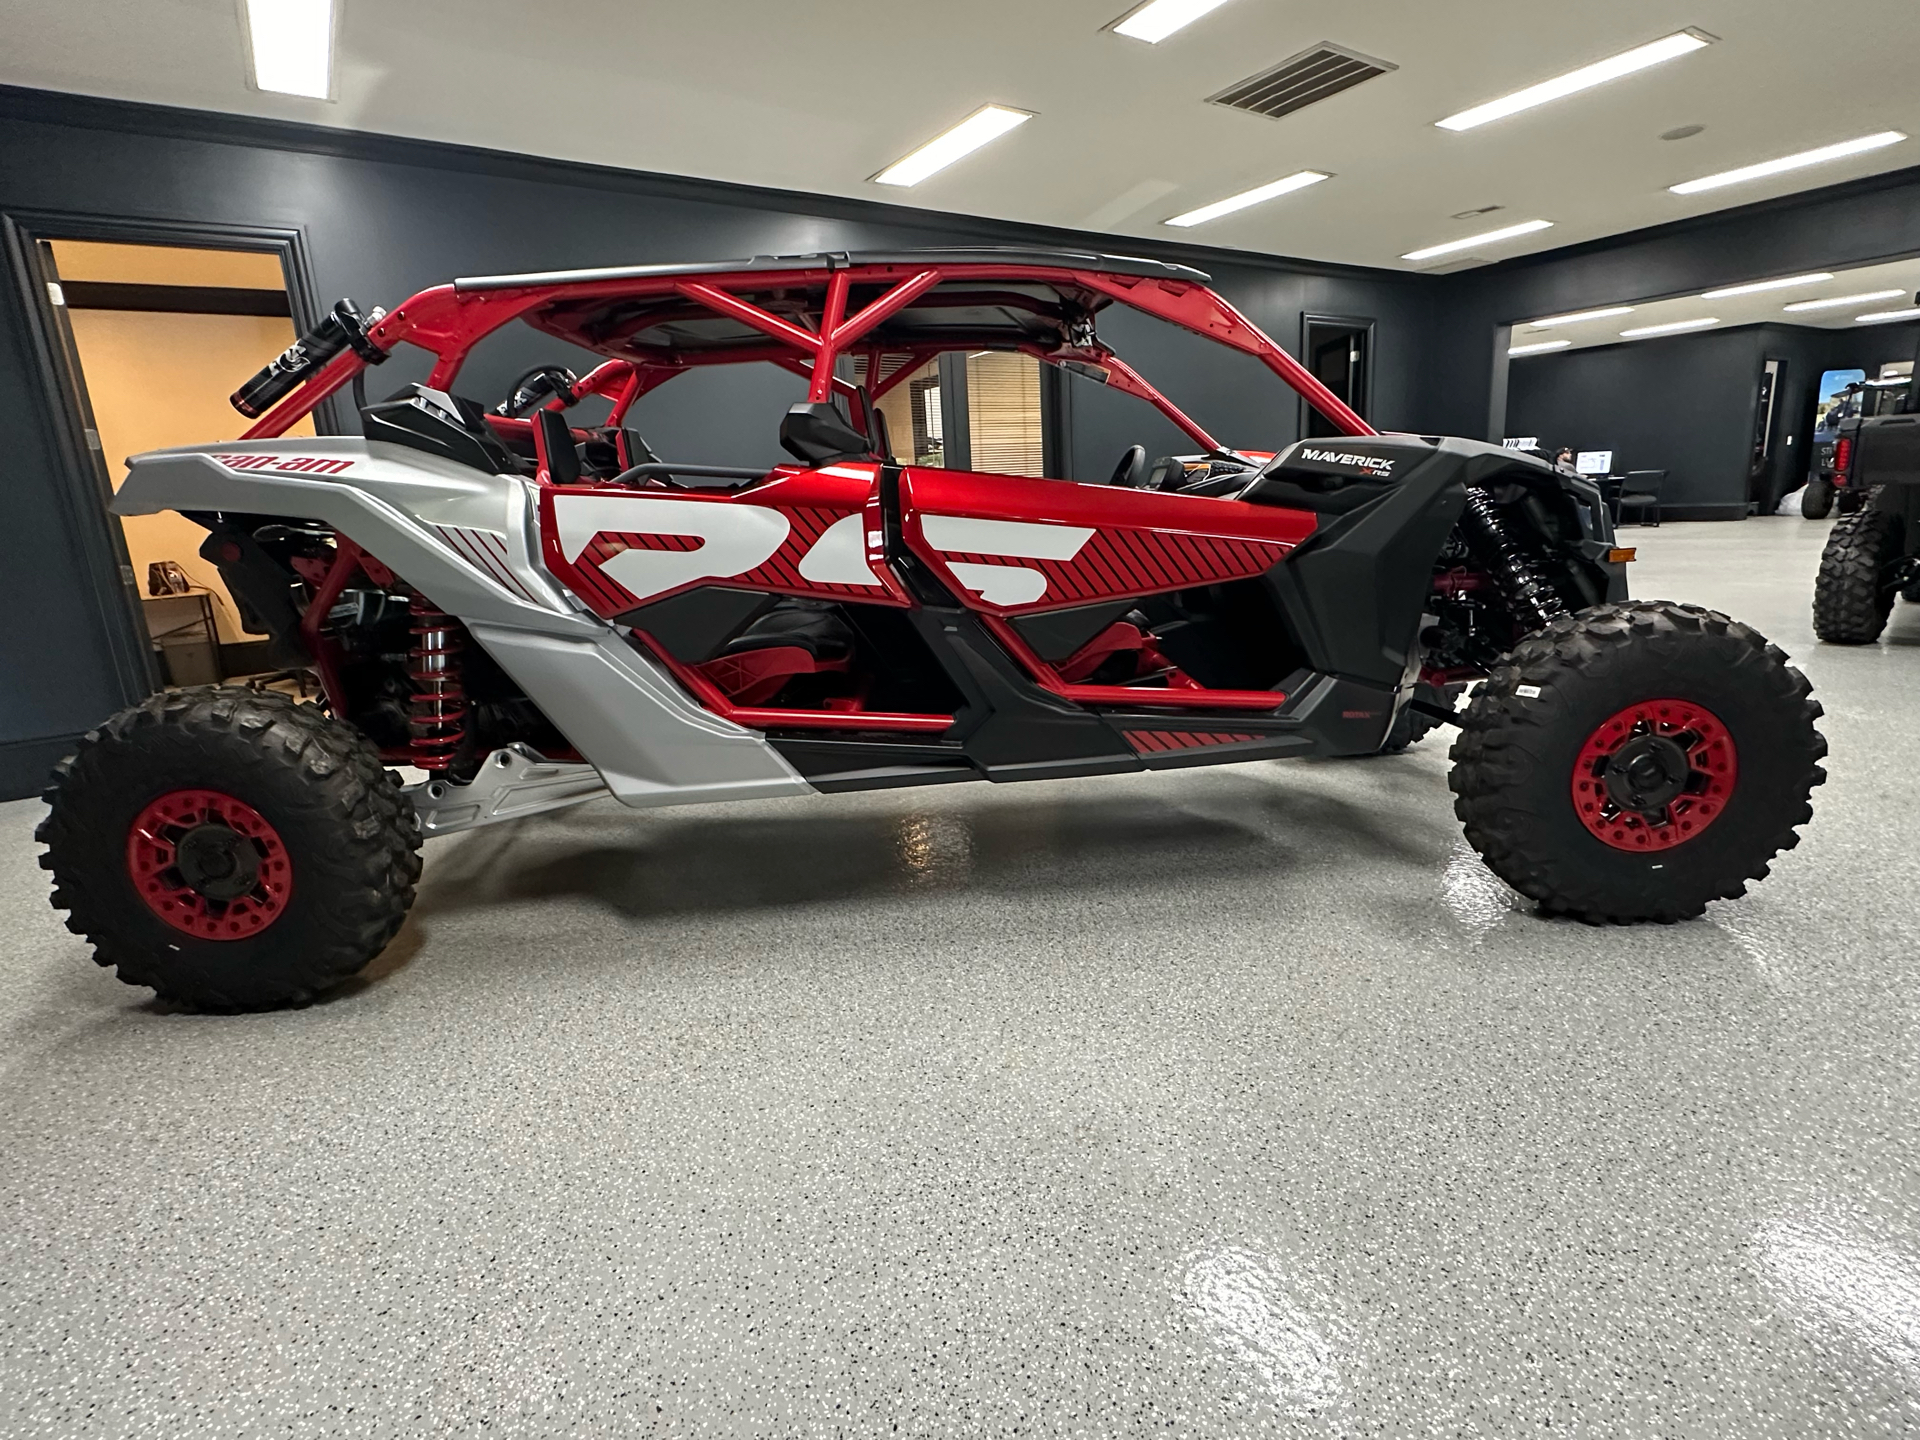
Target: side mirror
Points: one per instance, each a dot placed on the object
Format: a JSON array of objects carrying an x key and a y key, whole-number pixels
[{"x": 815, "y": 432}]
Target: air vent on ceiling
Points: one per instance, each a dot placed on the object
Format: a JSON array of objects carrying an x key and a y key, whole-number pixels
[{"x": 1294, "y": 84}]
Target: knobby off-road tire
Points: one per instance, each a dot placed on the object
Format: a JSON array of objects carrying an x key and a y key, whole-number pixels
[
  {"x": 1411, "y": 726},
  {"x": 1859, "y": 576},
  {"x": 1816, "y": 501},
  {"x": 1557, "y": 722},
  {"x": 176, "y": 804}
]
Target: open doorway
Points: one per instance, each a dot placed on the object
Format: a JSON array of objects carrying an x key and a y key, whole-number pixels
[
  {"x": 159, "y": 336},
  {"x": 1339, "y": 352}
]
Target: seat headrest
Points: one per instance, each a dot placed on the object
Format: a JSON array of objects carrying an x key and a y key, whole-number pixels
[{"x": 815, "y": 431}]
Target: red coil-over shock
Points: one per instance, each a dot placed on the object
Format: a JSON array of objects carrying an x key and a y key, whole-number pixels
[{"x": 437, "y": 719}]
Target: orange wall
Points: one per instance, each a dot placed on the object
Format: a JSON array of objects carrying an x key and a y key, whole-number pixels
[
  {"x": 166, "y": 265},
  {"x": 158, "y": 380}
]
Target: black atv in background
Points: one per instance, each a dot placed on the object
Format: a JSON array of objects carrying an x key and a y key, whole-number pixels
[
  {"x": 1873, "y": 555},
  {"x": 1830, "y": 479}
]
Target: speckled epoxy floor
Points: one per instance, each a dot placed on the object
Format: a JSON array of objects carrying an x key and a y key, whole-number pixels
[{"x": 1235, "y": 1101}]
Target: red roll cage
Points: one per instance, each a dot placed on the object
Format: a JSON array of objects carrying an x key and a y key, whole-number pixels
[{"x": 655, "y": 322}]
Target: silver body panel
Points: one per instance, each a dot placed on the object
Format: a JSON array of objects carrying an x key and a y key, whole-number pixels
[
  {"x": 468, "y": 541},
  {"x": 512, "y": 782}
]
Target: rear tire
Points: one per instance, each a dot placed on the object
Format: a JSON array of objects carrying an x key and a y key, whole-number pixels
[
  {"x": 1859, "y": 577},
  {"x": 231, "y": 849},
  {"x": 1540, "y": 742},
  {"x": 1411, "y": 726},
  {"x": 1816, "y": 501}
]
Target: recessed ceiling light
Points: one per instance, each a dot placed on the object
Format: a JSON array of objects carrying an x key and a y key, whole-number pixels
[
  {"x": 1673, "y": 327},
  {"x": 1835, "y": 302},
  {"x": 1727, "y": 292},
  {"x": 1298, "y": 181},
  {"x": 1682, "y": 132},
  {"x": 1157, "y": 19},
  {"x": 290, "y": 43},
  {"x": 1880, "y": 317},
  {"x": 1577, "y": 316},
  {"x": 1671, "y": 47},
  {"x": 1789, "y": 162},
  {"x": 987, "y": 123},
  {"x": 1525, "y": 227},
  {"x": 1539, "y": 349},
  {"x": 1476, "y": 214}
]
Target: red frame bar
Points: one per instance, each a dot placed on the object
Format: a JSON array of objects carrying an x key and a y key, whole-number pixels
[
  {"x": 760, "y": 717},
  {"x": 1172, "y": 698},
  {"x": 448, "y": 322}
]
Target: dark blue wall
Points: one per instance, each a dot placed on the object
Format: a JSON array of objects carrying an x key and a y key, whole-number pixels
[
  {"x": 1857, "y": 223},
  {"x": 1686, "y": 404}
]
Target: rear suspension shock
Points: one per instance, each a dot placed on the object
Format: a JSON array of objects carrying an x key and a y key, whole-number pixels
[
  {"x": 437, "y": 717},
  {"x": 1534, "y": 600}
]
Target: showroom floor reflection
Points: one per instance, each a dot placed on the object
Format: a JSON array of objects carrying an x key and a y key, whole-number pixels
[{"x": 1229, "y": 1101}]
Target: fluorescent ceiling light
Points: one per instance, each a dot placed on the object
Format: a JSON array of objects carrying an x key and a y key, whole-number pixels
[
  {"x": 1298, "y": 181},
  {"x": 987, "y": 123},
  {"x": 1540, "y": 349},
  {"x": 1157, "y": 19},
  {"x": 1880, "y": 317},
  {"x": 1671, "y": 328},
  {"x": 1577, "y": 316},
  {"x": 1574, "y": 81},
  {"x": 1838, "y": 300},
  {"x": 1789, "y": 162},
  {"x": 1729, "y": 291},
  {"x": 291, "y": 45},
  {"x": 1525, "y": 227}
]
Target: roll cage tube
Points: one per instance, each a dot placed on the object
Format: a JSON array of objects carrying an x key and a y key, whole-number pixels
[{"x": 449, "y": 320}]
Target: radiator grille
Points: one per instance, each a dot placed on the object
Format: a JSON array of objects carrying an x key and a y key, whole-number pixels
[{"x": 1294, "y": 84}]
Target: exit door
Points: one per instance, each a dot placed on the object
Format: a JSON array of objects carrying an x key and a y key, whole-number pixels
[{"x": 1339, "y": 352}]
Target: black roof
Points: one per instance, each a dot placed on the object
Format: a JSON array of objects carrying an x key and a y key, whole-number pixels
[{"x": 841, "y": 259}]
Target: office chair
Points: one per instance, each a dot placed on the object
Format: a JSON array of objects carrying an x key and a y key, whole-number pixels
[{"x": 1639, "y": 496}]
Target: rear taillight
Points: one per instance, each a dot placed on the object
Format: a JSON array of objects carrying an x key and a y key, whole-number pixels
[{"x": 1842, "y": 453}]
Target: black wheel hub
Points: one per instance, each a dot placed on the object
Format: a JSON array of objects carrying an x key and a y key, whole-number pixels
[
  {"x": 217, "y": 862},
  {"x": 1648, "y": 773}
]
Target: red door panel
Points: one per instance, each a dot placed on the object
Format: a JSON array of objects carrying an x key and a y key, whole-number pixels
[
  {"x": 1013, "y": 546},
  {"x": 798, "y": 533}
]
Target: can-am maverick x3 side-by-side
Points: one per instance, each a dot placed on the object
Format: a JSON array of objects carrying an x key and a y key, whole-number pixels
[{"x": 536, "y": 611}]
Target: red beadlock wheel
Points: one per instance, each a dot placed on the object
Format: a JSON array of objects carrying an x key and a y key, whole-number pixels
[
  {"x": 1654, "y": 775},
  {"x": 209, "y": 865}
]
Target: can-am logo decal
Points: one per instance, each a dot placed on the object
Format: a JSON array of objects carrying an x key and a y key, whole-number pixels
[
  {"x": 291, "y": 464},
  {"x": 1379, "y": 464}
]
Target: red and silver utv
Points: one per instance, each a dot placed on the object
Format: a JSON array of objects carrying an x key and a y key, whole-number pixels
[{"x": 530, "y": 606}]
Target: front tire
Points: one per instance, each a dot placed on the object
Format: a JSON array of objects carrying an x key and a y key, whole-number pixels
[
  {"x": 1634, "y": 762},
  {"x": 1859, "y": 577},
  {"x": 231, "y": 849}
]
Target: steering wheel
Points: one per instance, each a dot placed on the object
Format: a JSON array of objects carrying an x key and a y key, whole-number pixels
[
  {"x": 1132, "y": 469},
  {"x": 541, "y": 383}
]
